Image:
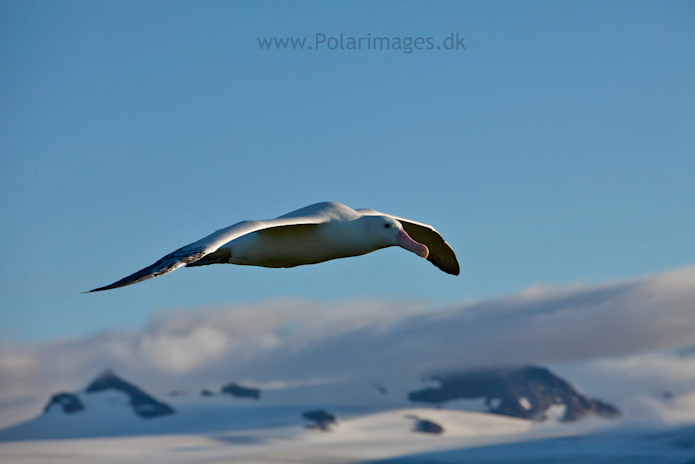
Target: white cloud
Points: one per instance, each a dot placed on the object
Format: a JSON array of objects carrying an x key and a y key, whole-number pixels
[
  {"x": 656, "y": 374},
  {"x": 583, "y": 329}
]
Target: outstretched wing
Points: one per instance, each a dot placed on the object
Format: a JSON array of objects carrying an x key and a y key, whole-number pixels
[
  {"x": 441, "y": 253},
  {"x": 170, "y": 262},
  {"x": 205, "y": 246}
]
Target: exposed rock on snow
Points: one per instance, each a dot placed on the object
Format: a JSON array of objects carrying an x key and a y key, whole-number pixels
[
  {"x": 380, "y": 388},
  {"x": 237, "y": 390},
  {"x": 69, "y": 402},
  {"x": 528, "y": 392},
  {"x": 425, "y": 426},
  {"x": 321, "y": 419}
]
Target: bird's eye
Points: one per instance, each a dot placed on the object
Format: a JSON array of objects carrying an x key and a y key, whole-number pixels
[{"x": 387, "y": 225}]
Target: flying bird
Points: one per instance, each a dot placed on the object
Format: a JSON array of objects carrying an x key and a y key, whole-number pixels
[{"x": 310, "y": 235}]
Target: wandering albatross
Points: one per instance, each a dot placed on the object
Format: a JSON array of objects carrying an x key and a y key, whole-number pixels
[{"x": 310, "y": 235}]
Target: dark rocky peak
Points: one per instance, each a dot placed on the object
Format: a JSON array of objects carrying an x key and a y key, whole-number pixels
[
  {"x": 143, "y": 404},
  {"x": 108, "y": 380},
  {"x": 526, "y": 392}
]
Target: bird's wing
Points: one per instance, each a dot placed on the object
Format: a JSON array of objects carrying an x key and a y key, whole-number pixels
[
  {"x": 205, "y": 246},
  {"x": 441, "y": 253}
]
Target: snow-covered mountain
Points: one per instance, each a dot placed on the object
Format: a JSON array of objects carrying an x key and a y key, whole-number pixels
[
  {"x": 112, "y": 406},
  {"x": 116, "y": 422},
  {"x": 108, "y": 406},
  {"x": 109, "y": 383},
  {"x": 528, "y": 392}
]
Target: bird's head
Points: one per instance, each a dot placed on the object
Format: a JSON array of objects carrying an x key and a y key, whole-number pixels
[{"x": 388, "y": 231}]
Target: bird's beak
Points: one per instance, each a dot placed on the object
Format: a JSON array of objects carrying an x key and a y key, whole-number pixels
[{"x": 409, "y": 244}]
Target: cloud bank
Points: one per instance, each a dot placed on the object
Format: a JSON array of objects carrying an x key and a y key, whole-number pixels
[{"x": 596, "y": 333}]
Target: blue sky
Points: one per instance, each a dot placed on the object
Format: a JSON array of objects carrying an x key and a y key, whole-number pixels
[{"x": 558, "y": 147}]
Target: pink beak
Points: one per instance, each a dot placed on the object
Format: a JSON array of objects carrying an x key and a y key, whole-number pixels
[{"x": 409, "y": 244}]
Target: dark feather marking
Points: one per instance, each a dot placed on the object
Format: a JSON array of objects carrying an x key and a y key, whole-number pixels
[
  {"x": 441, "y": 254},
  {"x": 218, "y": 257},
  {"x": 169, "y": 263}
]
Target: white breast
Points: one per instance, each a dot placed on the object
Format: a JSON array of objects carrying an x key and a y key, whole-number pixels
[{"x": 298, "y": 245}]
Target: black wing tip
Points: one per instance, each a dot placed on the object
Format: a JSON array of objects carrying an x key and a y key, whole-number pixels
[
  {"x": 450, "y": 265},
  {"x": 169, "y": 263},
  {"x": 455, "y": 271},
  {"x": 101, "y": 289},
  {"x": 449, "y": 268},
  {"x": 130, "y": 280},
  {"x": 95, "y": 290}
]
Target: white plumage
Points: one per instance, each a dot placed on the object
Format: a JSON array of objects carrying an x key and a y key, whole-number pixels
[{"x": 310, "y": 235}]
